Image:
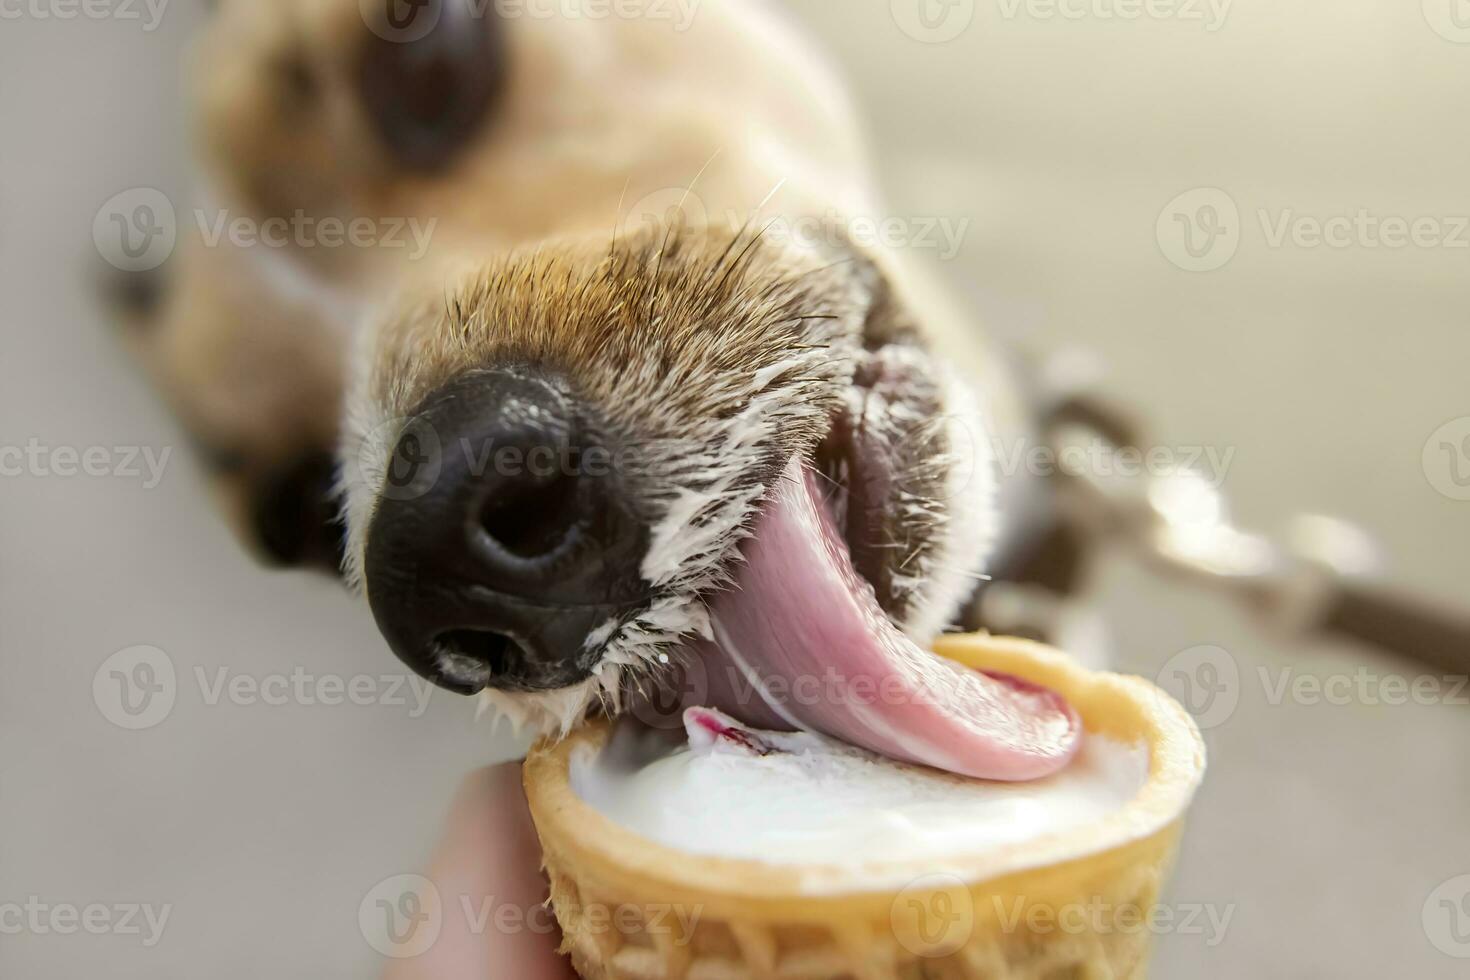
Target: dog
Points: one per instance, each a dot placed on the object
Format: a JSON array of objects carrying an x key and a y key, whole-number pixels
[{"x": 542, "y": 444}]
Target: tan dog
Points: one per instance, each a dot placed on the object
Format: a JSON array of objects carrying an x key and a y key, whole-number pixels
[{"x": 611, "y": 276}]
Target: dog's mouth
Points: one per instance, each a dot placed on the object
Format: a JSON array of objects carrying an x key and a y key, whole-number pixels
[
  {"x": 796, "y": 510},
  {"x": 808, "y": 635},
  {"x": 824, "y": 573}
]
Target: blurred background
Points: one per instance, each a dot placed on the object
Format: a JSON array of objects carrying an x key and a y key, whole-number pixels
[{"x": 1064, "y": 139}]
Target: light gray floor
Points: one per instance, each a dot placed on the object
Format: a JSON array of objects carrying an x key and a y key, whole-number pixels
[{"x": 1324, "y": 828}]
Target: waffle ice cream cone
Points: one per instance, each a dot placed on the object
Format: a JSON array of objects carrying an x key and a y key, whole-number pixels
[{"x": 1073, "y": 904}]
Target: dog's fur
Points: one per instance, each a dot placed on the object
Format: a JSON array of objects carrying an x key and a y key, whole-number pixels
[{"x": 609, "y": 219}]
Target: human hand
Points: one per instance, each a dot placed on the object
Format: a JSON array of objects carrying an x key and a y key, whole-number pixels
[{"x": 488, "y": 859}]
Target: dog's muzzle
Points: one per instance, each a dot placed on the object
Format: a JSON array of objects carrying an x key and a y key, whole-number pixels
[{"x": 503, "y": 537}]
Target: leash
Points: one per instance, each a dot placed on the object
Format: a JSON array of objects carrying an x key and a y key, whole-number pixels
[{"x": 1320, "y": 578}]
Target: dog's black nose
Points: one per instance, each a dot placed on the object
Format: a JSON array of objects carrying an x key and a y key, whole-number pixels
[{"x": 503, "y": 537}]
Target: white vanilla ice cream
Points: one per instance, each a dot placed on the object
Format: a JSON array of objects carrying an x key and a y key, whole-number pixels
[{"x": 722, "y": 790}]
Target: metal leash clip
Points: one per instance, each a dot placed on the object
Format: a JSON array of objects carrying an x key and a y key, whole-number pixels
[{"x": 1320, "y": 578}]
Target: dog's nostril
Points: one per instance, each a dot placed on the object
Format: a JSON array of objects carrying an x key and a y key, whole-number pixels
[
  {"x": 294, "y": 516},
  {"x": 533, "y": 519},
  {"x": 496, "y": 651}
]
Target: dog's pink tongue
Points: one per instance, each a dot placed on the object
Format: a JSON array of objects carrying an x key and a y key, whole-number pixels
[{"x": 805, "y": 632}]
